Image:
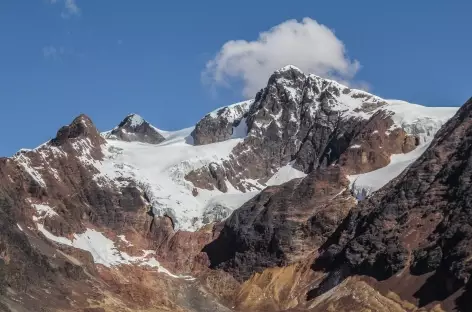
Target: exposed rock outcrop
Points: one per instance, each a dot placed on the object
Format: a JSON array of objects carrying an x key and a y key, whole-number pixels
[
  {"x": 135, "y": 129},
  {"x": 375, "y": 142},
  {"x": 180, "y": 251},
  {"x": 222, "y": 124}
]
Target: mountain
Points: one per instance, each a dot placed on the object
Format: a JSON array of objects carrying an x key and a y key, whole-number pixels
[
  {"x": 310, "y": 122},
  {"x": 261, "y": 199},
  {"x": 135, "y": 129}
]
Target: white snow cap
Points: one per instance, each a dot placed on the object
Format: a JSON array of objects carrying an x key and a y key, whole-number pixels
[
  {"x": 135, "y": 120},
  {"x": 289, "y": 67}
]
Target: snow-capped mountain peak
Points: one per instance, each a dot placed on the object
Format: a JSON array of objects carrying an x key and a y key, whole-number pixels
[
  {"x": 134, "y": 120},
  {"x": 135, "y": 128},
  {"x": 288, "y": 68}
]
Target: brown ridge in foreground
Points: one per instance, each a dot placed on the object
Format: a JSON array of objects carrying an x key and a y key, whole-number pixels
[{"x": 415, "y": 234}]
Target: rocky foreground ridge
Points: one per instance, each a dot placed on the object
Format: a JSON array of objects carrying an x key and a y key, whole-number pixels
[{"x": 255, "y": 208}]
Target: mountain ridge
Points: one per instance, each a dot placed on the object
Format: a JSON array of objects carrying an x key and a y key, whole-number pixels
[{"x": 197, "y": 220}]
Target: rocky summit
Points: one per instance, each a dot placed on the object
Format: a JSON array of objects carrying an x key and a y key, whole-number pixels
[
  {"x": 135, "y": 128},
  {"x": 312, "y": 196}
]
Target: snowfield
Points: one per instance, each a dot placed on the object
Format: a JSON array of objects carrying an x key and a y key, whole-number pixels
[
  {"x": 160, "y": 171},
  {"x": 362, "y": 185},
  {"x": 420, "y": 120}
]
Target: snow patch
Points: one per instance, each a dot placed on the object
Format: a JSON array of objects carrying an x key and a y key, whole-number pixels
[
  {"x": 232, "y": 112},
  {"x": 104, "y": 251},
  {"x": 160, "y": 170},
  {"x": 362, "y": 185},
  {"x": 123, "y": 239},
  {"x": 135, "y": 120},
  {"x": 284, "y": 174},
  {"x": 240, "y": 131},
  {"x": 289, "y": 67},
  {"x": 419, "y": 120},
  {"x": 43, "y": 211}
]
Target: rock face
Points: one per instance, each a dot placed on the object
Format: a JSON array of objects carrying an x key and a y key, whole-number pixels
[
  {"x": 180, "y": 251},
  {"x": 419, "y": 224},
  {"x": 135, "y": 129},
  {"x": 222, "y": 124},
  {"x": 53, "y": 187},
  {"x": 62, "y": 174},
  {"x": 306, "y": 120},
  {"x": 372, "y": 147},
  {"x": 283, "y": 224},
  {"x": 26, "y": 269}
]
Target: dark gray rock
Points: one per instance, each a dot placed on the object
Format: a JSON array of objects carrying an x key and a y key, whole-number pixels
[
  {"x": 282, "y": 225},
  {"x": 135, "y": 129},
  {"x": 303, "y": 119},
  {"x": 222, "y": 124}
]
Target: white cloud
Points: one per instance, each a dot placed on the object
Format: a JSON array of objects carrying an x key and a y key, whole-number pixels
[
  {"x": 52, "y": 52},
  {"x": 70, "y": 8},
  {"x": 312, "y": 47}
]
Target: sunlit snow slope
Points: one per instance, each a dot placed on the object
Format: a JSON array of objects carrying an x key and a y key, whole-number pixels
[{"x": 414, "y": 119}]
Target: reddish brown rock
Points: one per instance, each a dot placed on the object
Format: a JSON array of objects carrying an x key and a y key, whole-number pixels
[
  {"x": 181, "y": 251},
  {"x": 372, "y": 147},
  {"x": 416, "y": 228}
]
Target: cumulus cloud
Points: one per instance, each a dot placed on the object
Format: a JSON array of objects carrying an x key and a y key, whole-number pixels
[{"x": 312, "y": 47}]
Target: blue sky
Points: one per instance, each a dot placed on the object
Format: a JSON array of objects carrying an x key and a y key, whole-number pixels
[{"x": 60, "y": 58}]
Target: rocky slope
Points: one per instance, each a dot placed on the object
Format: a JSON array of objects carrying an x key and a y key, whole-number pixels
[
  {"x": 283, "y": 224},
  {"x": 418, "y": 225}
]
